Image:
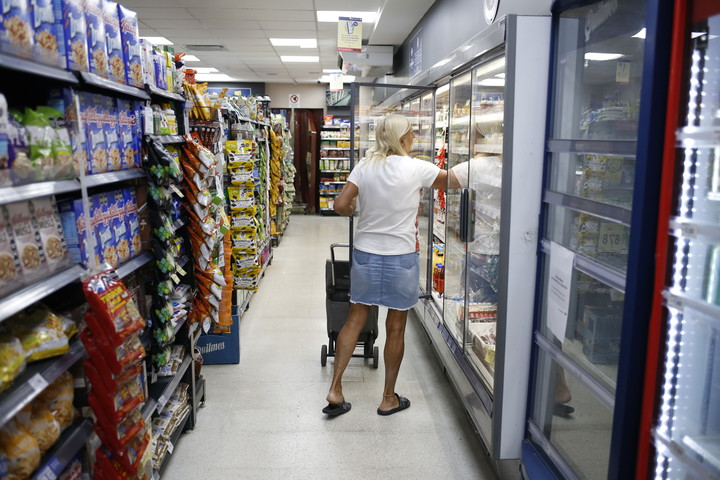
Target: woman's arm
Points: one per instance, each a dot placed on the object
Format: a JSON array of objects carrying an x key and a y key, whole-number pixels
[
  {"x": 442, "y": 178},
  {"x": 345, "y": 202}
]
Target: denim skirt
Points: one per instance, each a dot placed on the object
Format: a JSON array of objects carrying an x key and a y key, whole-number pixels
[{"x": 391, "y": 281}]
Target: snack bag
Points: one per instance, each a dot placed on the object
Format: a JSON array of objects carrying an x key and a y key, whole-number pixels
[
  {"x": 72, "y": 218},
  {"x": 39, "y": 422},
  {"x": 63, "y": 100},
  {"x": 16, "y": 31},
  {"x": 118, "y": 435},
  {"x": 74, "y": 29},
  {"x": 41, "y": 333},
  {"x": 47, "y": 219},
  {"x": 63, "y": 164},
  {"x": 29, "y": 248},
  {"x": 116, "y": 62},
  {"x": 21, "y": 450},
  {"x": 96, "y": 41},
  {"x": 132, "y": 221},
  {"x": 119, "y": 226},
  {"x": 129, "y": 135},
  {"x": 12, "y": 359},
  {"x": 47, "y": 47},
  {"x": 112, "y": 135},
  {"x": 58, "y": 398},
  {"x": 131, "y": 46},
  {"x": 115, "y": 406},
  {"x": 92, "y": 110},
  {"x": 106, "y": 247},
  {"x": 10, "y": 269}
]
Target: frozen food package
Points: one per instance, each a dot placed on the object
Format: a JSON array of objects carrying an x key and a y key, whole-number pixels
[
  {"x": 118, "y": 225},
  {"x": 12, "y": 359},
  {"x": 10, "y": 269},
  {"x": 113, "y": 36},
  {"x": 41, "y": 333},
  {"x": 47, "y": 46},
  {"x": 46, "y": 216},
  {"x": 131, "y": 46},
  {"x": 72, "y": 12},
  {"x": 96, "y": 41},
  {"x": 16, "y": 30},
  {"x": 39, "y": 422},
  {"x": 27, "y": 240},
  {"x": 58, "y": 398},
  {"x": 20, "y": 449}
]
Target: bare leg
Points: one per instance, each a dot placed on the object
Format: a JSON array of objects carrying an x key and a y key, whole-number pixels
[
  {"x": 393, "y": 355},
  {"x": 562, "y": 392},
  {"x": 344, "y": 347}
]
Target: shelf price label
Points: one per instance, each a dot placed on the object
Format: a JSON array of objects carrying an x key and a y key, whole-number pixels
[
  {"x": 38, "y": 383},
  {"x": 612, "y": 238},
  {"x": 689, "y": 230},
  {"x": 177, "y": 191}
]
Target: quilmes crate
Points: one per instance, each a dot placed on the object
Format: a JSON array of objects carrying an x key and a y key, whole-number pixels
[{"x": 222, "y": 348}]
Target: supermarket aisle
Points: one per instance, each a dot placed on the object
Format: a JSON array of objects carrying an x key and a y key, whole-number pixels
[{"x": 263, "y": 421}]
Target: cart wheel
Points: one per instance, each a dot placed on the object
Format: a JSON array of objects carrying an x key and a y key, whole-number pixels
[
  {"x": 323, "y": 355},
  {"x": 376, "y": 357}
]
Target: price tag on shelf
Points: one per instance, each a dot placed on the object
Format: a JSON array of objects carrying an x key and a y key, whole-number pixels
[
  {"x": 47, "y": 473},
  {"x": 175, "y": 278},
  {"x": 689, "y": 230},
  {"x": 612, "y": 238},
  {"x": 224, "y": 217},
  {"x": 170, "y": 448},
  {"x": 675, "y": 302},
  {"x": 38, "y": 383},
  {"x": 177, "y": 190},
  {"x": 161, "y": 403},
  {"x": 180, "y": 270}
]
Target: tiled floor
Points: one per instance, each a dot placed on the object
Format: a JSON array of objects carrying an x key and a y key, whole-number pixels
[{"x": 263, "y": 421}]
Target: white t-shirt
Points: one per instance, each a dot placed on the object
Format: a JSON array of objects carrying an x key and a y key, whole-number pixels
[{"x": 388, "y": 200}]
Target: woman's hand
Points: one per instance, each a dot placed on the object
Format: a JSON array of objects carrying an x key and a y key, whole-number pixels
[{"x": 346, "y": 202}]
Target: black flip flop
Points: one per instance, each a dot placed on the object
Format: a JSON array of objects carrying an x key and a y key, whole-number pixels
[
  {"x": 562, "y": 410},
  {"x": 335, "y": 410},
  {"x": 404, "y": 404}
]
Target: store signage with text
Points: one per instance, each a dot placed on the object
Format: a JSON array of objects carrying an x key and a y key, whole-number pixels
[
  {"x": 349, "y": 37},
  {"x": 294, "y": 100}
]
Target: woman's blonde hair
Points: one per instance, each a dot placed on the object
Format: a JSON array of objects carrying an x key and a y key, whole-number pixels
[{"x": 387, "y": 137}]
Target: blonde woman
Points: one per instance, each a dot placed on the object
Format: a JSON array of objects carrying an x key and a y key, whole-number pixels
[{"x": 384, "y": 187}]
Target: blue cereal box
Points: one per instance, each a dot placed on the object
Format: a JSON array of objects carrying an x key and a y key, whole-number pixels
[
  {"x": 130, "y": 35},
  {"x": 116, "y": 62},
  {"x": 92, "y": 111},
  {"x": 71, "y": 14},
  {"x": 119, "y": 226},
  {"x": 132, "y": 221},
  {"x": 16, "y": 32},
  {"x": 127, "y": 134},
  {"x": 102, "y": 214},
  {"x": 96, "y": 42},
  {"x": 47, "y": 46},
  {"x": 73, "y": 223},
  {"x": 112, "y": 137}
]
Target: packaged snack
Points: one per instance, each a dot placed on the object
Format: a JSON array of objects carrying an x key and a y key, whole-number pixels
[
  {"x": 96, "y": 41},
  {"x": 64, "y": 101},
  {"x": 101, "y": 377},
  {"x": 74, "y": 29},
  {"x": 148, "y": 68},
  {"x": 112, "y": 140},
  {"x": 119, "y": 226},
  {"x": 63, "y": 165},
  {"x": 132, "y": 221},
  {"x": 115, "y": 406},
  {"x": 72, "y": 218},
  {"x": 160, "y": 197},
  {"x": 118, "y": 435},
  {"x": 58, "y": 398},
  {"x": 16, "y": 31},
  {"x": 27, "y": 239},
  {"x": 41, "y": 333},
  {"x": 105, "y": 248},
  {"x": 131, "y": 46},
  {"x": 21, "y": 450},
  {"x": 162, "y": 357},
  {"x": 116, "y": 62},
  {"x": 47, "y": 219},
  {"x": 10, "y": 268},
  {"x": 12, "y": 359},
  {"x": 4, "y": 142},
  {"x": 128, "y": 134},
  {"x": 91, "y": 110},
  {"x": 47, "y": 47},
  {"x": 39, "y": 422},
  {"x": 160, "y": 66}
]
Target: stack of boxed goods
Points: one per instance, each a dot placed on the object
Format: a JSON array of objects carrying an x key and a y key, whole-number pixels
[
  {"x": 114, "y": 370},
  {"x": 167, "y": 423}
]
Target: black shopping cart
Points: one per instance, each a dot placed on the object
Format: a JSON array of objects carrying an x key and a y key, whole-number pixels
[{"x": 337, "y": 306}]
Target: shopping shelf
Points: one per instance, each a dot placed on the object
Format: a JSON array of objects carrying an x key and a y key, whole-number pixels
[
  {"x": 110, "y": 87},
  {"x": 158, "y": 92},
  {"x": 107, "y": 178},
  {"x": 11, "y": 62},
  {"x": 36, "y": 377},
  {"x": 133, "y": 264},
  {"x": 36, "y": 190},
  {"x": 167, "y": 139},
  {"x": 160, "y": 392},
  {"x": 71, "y": 441}
]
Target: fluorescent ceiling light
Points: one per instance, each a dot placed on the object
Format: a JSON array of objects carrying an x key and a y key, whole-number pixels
[
  {"x": 601, "y": 57},
  {"x": 294, "y": 42},
  {"x": 202, "y": 70},
  {"x": 441, "y": 63},
  {"x": 213, "y": 77},
  {"x": 334, "y": 16},
  {"x": 345, "y": 79},
  {"x": 492, "y": 82},
  {"x": 190, "y": 58},
  {"x": 157, "y": 40},
  {"x": 299, "y": 58},
  {"x": 332, "y": 70}
]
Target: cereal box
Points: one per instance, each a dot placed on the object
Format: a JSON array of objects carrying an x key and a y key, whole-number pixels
[
  {"x": 10, "y": 269},
  {"x": 47, "y": 48},
  {"x": 74, "y": 33},
  {"x": 74, "y": 227},
  {"x": 92, "y": 108},
  {"x": 130, "y": 35},
  {"x": 132, "y": 221},
  {"x": 16, "y": 32},
  {"x": 96, "y": 41},
  {"x": 27, "y": 240},
  {"x": 112, "y": 140},
  {"x": 127, "y": 138},
  {"x": 47, "y": 220},
  {"x": 116, "y": 62},
  {"x": 148, "y": 66},
  {"x": 105, "y": 250},
  {"x": 119, "y": 226}
]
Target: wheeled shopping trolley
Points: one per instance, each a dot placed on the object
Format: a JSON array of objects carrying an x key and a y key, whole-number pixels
[{"x": 337, "y": 306}]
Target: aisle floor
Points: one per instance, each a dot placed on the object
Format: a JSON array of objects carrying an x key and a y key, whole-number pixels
[{"x": 262, "y": 418}]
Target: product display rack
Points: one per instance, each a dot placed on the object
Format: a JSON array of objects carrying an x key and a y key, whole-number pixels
[{"x": 334, "y": 164}]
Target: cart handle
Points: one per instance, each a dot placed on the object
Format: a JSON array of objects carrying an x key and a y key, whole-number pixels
[{"x": 332, "y": 257}]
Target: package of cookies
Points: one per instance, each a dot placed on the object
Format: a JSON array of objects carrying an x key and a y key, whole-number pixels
[
  {"x": 113, "y": 37},
  {"x": 119, "y": 225},
  {"x": 72, "y": 14},
  {"x": 16, "y": 31},
  {"x": 131, "y": 46},
  {"x": 127, "y": 138},
  {"x": 105, "y": 249},
  {"x": 10, "y": 269},
  {"x": 112, "y": 137},
  {"x": 72, "y": 218},
  {"x": 47, "y": 47},
  {"x": 92, "y": 108},
  {"x": 96, "y": 41},
  {"x": 47, "y": 220},
  {"x": 132, "y": 220},
  {"x": 27, "y": 240}
]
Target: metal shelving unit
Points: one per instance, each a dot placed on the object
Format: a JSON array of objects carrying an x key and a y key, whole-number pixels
[
  {"x": 157, "y": 92},
  {"x": 168, "y": 139},
  {"x": 71, "y": 441},
  {"x": 93, "y": 81},
  {"x": 17, "y": 64},
  {"x": 35, "y": 190},
  {"x": 159, "y": 392},
  {"x": 133, "y": 264}
]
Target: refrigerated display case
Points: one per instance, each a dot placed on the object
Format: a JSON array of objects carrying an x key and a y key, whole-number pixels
[
  {"x": 684, "y": 385},
  {"x": 599, "y": 211},
  {"x": 492, "y": 124}
]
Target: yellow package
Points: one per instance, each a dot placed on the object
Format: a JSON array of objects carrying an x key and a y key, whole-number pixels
[
  {"x": 40, "y": 423},
  {"x": 20, "y": 449},
  {"x": 12, "y": 360},
  {"x": 41, "y": 332}
]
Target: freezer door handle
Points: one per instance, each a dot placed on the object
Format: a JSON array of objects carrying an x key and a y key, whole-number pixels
[{"x": 464, "y": 215}]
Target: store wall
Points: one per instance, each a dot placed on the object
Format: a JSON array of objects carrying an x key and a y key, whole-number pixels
[
  {"x": 311, "y": 95},
  {"x": 256, "y": 88}
]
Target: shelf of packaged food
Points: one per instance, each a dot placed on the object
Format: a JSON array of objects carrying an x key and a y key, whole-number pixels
[
  {"x": 133, "y": 264},
  {"x": 11, "y": 62},
  {"x": 334, "y": 171},
  {"x": 179, "y": 324},
  {"x": 71, "y": 441},
  {"x": 183, "y": 261},
  {"x": 327, "y": 194},
  {"x": 35, "y": 378},
  {"x": 593, "y": 207},
  {"x": 337, "y": 148},
  {"x": 691, "y": 229},
  {"x": 113, "y": 177},
  {"x": 700, "y": 454},
  {"x": 331, "y": 138},
  {"x": 15, "y": 302},
  {"x": 623, "y": 148},
  {"x": 159, "y": 92},
  {"x": 91, "y": 80},
  {"x": 608, "y": 275},
  {"x": 325, "y": 182},
  {"x": 335, "y": 127},
  {"x": 35, "y": 190},
  {"x": 439, "y": 232},
  {"x": 167, "y": 139},
  {"x": 160, "y": 392},
  {"x": 174, "y": 438}
]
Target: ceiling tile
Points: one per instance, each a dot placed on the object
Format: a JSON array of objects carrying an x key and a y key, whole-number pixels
[
  {"x": 239, "y": 43},
  {"x": 230, "y": 24},
  {"x": 173, "y": 24},
  {"x": 290, "y": 14},
  {"x": 239, "y": 33},
  {"x": 271, "y": 25},
  {"x": 290, "y": 34},
  {"x": 327, "y": 42},
  {"x": 200, "y": 35},
  {"x": 164, "y": 13}
]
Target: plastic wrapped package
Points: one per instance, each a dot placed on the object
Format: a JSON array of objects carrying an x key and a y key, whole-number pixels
[
  {"x": 118, "y": 435},
  {"x": 12, "y": 359},
  {"x": 117, "y": 358},
  {"x": 20, "y": 449},
  {"x": 100, "y": 377},
  {"x": 116, "y": 405},
  {"x": 58, "y": 398},
  {"x": 39, "y": 422},
  {"x": 41, "y": 332}
]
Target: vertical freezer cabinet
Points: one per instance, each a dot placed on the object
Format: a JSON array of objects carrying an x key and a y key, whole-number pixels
[{"x": 599, "y": 213}]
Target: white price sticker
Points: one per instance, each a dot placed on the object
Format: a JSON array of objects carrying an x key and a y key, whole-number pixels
[
  {"x": 170, "y": 448},
  {"x": 175, "y": 278},
  {"x": 38, "y": 383},
  {"x": 161, "y": 404},
  {"x": 177, "y": 190},
  {"x": 689, "y": 230},
  {"x": 180, "y": 270},
  {"x": 46, "y": 474},
  {"x": 675, "y": 302}
]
